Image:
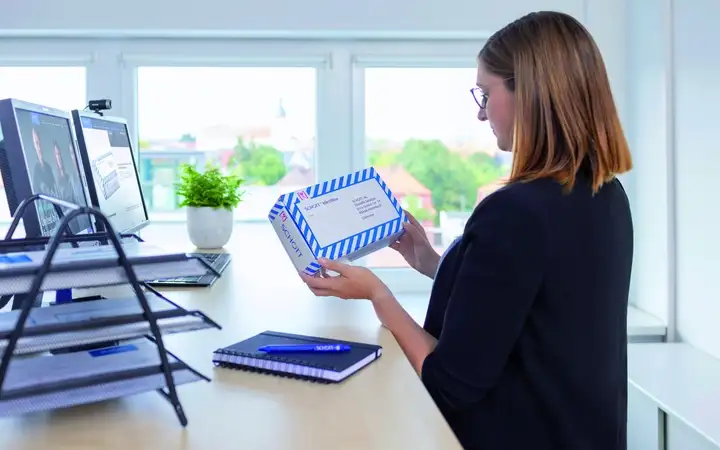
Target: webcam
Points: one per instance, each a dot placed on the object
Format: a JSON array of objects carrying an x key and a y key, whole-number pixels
[{"x": 98, "y": 106}]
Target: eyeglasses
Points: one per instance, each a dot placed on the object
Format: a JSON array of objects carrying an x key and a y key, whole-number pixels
[{"x": 479, "y": 96}]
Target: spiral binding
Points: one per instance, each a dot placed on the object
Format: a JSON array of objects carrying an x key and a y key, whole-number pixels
[
  {"x": 279, "y": 365},
  {"x": 272, "y": 372}
]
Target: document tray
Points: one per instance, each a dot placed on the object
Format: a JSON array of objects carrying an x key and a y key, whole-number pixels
[
  {"x": 74, "y": 324},
  {"x": 49, "y": 382}
]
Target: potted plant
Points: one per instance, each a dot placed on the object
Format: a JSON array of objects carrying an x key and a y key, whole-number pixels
[{"x": 210, "y": 198}]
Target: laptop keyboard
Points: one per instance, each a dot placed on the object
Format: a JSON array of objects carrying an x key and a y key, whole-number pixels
[{"x": 219, "y": 261}]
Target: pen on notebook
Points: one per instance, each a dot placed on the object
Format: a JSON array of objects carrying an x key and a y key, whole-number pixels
[{"x": 327, "y": 348}]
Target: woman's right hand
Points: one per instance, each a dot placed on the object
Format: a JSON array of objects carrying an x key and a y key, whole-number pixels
[{"x": 414, "y": 246}]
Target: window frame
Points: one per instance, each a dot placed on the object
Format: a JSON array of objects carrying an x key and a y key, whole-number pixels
[
  {"x": 111, "y": 72},
  {"x": 45, "y": 53},
  {"x": 340, "y": 68},
  {"x": 405, "y": 280},
  {"x": 48, "y": 53},
  {"x": 131, "y": 62},
  {"x": 19, "y": 54}
]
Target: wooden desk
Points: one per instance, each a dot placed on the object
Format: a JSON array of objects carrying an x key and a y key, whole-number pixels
[{"x": 384, "y": 406}]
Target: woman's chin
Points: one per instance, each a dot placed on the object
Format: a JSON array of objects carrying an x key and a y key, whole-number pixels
[{"x": 503, "y": 146}]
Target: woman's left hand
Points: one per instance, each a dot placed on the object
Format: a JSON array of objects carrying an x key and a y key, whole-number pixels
[{"x": 352, "y": 282}]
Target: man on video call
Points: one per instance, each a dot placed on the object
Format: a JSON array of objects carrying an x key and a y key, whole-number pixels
[
  {"x": 43, "y": 180},
  {"x": 66, "y": 189}
]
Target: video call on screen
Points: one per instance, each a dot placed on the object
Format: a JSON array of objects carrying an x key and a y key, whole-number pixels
[
  {"x": 116, "y": 131},
  {"x": 115, "y": 177},
  {"x": 52, "y": 166}
]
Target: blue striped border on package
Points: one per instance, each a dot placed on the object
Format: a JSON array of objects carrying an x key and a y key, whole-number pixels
[{"x": 346, "y": 218}]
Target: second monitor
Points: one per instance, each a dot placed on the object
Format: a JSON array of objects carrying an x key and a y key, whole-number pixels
[
  {"x": 109, "y": 166},
  {"x": 114, "y": 185}
]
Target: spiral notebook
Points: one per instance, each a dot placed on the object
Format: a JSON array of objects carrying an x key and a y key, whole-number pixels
[{"x": 318, "y": 367}]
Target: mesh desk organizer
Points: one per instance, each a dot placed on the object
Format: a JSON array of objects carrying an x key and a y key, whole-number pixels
[{"x": 35, "y": 381}]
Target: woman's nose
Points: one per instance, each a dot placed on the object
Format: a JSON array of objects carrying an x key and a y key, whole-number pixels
[{"x": 482, "y": 117}]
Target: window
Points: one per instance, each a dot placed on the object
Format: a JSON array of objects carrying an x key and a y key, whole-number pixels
[
  {"x": 423, "y": 136},
  {"x": 258, "y": 122},
  {"x": 57, "y": 87}
]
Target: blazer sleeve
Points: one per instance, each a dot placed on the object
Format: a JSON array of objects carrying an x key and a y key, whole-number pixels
[{"x": 493, "y": 291}]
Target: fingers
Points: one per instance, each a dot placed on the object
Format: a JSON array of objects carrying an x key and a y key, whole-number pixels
[
  {"x": 412, "y": 219},
  {"x": 322, "y": 292},
  {"x": 320, "y": 286},
  {"x": 416, "y": 232},
  {"x": 406, "y": 240},
  {"x": 335, "y": 266},
  {"x": 317, "y": 282},
  {"x": 403, "y": 244},
  {"x": 414, "y": 228}
]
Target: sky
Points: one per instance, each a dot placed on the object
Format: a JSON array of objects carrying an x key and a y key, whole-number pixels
[
  {"x": 399, "y": 102},
  {"x": 56, "y": 87}
]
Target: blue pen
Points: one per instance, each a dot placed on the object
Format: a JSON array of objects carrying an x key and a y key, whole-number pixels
[{"x": 307, "y": 348}]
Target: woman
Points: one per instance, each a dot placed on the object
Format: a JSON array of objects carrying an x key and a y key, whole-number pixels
[{"x": 524, "y": 343}]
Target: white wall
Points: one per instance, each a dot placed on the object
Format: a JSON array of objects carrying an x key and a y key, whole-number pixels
[
  {"x": 647, "y": 130},
  {"x": 696, "y": 71},
  {"x": 673, "y": 68},
  {"x": 275, "y": 15}
]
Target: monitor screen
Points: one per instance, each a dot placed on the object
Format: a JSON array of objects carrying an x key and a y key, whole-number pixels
[
  {"x": 52, "y": 166},
  {"x": 111, "y": 170}
]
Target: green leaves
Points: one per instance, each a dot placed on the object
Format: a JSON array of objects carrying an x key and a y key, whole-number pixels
[
  {"x": 258, "y": 164},
  {"x": 210, "y": 189},
  {"x": 452, "y": 178},
  {"x": 448, "y": 176}
]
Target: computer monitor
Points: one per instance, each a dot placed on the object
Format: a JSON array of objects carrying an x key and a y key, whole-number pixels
[
  {"x": 111, "y": 171},
  {"x": 38, "y": 155}
]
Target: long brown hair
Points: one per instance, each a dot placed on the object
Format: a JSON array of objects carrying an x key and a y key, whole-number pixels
[{"x": 565, "y": 116}]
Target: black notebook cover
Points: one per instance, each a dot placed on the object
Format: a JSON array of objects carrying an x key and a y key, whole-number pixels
[{"x": 319, "y": 367}]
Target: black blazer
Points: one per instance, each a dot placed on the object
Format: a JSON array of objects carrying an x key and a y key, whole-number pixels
[{"x": 530, "y": 311}]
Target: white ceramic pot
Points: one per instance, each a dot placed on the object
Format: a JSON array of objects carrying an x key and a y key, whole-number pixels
[{"x": 209, "y": 227}]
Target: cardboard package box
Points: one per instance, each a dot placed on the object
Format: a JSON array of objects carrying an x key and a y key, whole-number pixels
[{"x": 345, "y": 219}]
